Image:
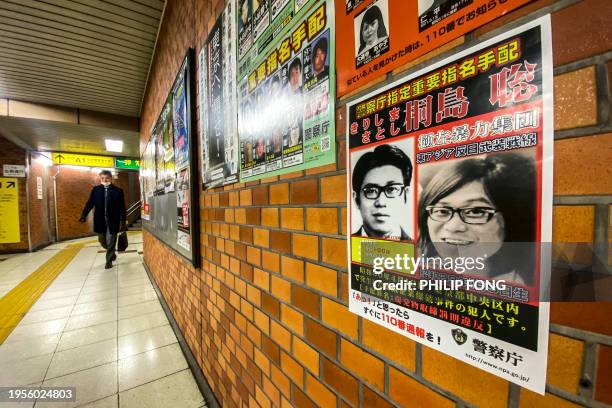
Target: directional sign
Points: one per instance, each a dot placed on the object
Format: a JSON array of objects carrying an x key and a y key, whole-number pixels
[
  {"x": 131, "y": 164},
  {"x": 13, "y": 170},
  {"x": 9, "y": 211},
  {"x": 83, "y": 160}
]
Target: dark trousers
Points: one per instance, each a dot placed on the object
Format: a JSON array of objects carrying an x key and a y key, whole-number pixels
[{"x": 108, "y": 242}]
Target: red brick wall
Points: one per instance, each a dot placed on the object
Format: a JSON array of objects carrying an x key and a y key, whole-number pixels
[
  {"x": 39, "y": 208},
  {"x": 13, "y": 154},
  {"x": 266, "y": 316},
  {"x": 73, "y": 186}
]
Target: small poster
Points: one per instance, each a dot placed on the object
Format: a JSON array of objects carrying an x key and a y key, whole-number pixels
[
  {"x": 39, "y": 188},
  {"x": 286, "y": 102},
  {"x": 450, "y": 171},
  {"x": 168, "y": 142},
  {"x": 180, "y": 125},
  {"x": 378, "y": 36},
  {"x": 218, "y": 104},
  {"x": 160, "y": 168},
  {"x": 183, "y": 193}
]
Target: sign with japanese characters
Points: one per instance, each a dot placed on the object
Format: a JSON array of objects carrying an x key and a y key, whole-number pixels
[
  {"x": 260, "y": 22},
  {"x": 378, "y": 36},
  {"x": 86, "y": 160},
  {"x": 286, "y": 98},
  {"x": 451, "y": 203},
  {"x": 13, "y": 170},
  {"x": 9, "y": 210},
  {"x": 129, "y": 164},
  {"x": 218, "y": 104}
]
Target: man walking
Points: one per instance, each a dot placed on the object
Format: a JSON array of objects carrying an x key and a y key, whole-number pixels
[{"x": 109, "y": 214}]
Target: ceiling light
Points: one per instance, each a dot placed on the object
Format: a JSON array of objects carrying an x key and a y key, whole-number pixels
[
  {"x": 44, "y": 160},
  {"x": 114, "y": 145}
]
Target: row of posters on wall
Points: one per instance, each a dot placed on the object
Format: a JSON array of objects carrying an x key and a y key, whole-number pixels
[
  {"x": 267, "y": 90},
  {"x": 451, "y": 162},
  {"x": 166, "y": 164},
  {"x": 268, "y": 71}
]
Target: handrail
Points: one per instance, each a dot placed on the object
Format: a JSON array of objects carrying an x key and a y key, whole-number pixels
[
  {"x": 133, "y": 207},
  {"x": 133, "y": 212}
]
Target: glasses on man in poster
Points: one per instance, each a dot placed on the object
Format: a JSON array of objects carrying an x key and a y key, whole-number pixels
[
  {"x": 383, "y": 195},
  {"x": 432, "y": 11},
  {"x": 371, "y": 32}
]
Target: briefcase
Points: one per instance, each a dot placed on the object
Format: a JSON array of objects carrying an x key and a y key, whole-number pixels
[{"x": 122, "y": 242}]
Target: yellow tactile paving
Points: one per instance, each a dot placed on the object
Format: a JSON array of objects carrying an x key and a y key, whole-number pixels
[{"x": 16, "y": 303}]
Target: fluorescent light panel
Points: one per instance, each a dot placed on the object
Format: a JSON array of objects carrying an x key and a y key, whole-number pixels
[{"x": 114, "y": 145}]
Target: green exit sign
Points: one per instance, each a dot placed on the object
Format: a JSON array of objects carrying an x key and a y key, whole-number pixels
[{"x": 131, "y": 164}]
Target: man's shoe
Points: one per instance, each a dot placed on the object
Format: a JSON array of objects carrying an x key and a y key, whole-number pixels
[
  {"x": 108, "y": 265},
  {"x": 114, "y": 258}
]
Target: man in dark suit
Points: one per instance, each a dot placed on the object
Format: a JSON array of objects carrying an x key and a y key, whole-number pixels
[
  {"x": 109, "y": 214},
  {"x": 381, "y": 180}
]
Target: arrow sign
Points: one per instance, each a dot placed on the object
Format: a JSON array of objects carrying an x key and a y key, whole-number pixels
[
  {"x": 10, "y": 184},
  {"x": 60, "y": 158}
]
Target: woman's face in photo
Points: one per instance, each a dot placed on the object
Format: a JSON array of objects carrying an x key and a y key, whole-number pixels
[
  {"x": 456, "y": 238},
  {"x": 370, "y": 32}
]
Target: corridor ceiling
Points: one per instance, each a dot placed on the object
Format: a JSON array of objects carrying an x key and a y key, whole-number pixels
[{"x": 88, "y": 54}]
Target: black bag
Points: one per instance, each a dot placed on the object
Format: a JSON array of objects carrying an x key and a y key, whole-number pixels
[{"x": 122, "y": 242}]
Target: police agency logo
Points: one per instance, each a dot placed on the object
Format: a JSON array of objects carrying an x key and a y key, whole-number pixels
[{"x": 459, "y": 336}]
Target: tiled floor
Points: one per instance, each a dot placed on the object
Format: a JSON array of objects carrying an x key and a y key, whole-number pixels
[{"x": 101, "y": 331}]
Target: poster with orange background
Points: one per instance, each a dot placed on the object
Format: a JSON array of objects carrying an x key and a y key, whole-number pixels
[{"x": 378, "y": 36}]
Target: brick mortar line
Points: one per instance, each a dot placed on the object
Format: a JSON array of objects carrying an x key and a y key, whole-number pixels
[
  {"x": 601, "y": 244},
  {"x": 580, "y": 334},
  {"x": 586, "y": 385},
  {"x": 582, "y": 199},
  {"x": 572, "y": 66},
  {"x": 586, "y": 402}
]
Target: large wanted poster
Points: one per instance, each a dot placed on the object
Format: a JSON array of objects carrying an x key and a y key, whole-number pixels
[
  {"x": 378, "y": 36},
  {"x": 451, "y": 175},
  {"x": 286, "y": 101},
  {"x": 218, "y": 105}
]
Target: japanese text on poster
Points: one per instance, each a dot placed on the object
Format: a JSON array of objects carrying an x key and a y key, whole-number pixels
[
  {"x": 286, "y": 102},
  {"x": 218, "y": 105},
  {"x": 182, "y": 162},
  {"x": 381, "y": 35},
  {"x": 448, "y": 209}
]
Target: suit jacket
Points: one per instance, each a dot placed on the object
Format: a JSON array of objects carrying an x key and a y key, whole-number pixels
[
  {"x": 116, "y": 213},
  {"x": 403, "y": 237}
]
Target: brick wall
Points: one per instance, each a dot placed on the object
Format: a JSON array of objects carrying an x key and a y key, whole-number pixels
[
  {"x": 73, "y": 186},
  {"x": 266, "y": 316},
  {"x": 13, "y": 154}
]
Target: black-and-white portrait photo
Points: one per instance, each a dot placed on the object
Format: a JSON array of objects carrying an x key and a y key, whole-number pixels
[
  {"x": 371, "y": 32},
  {"x": 383, "y": 191}
]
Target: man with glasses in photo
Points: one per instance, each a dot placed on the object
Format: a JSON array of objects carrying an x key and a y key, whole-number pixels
[{"x": 381, "y": 179}]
